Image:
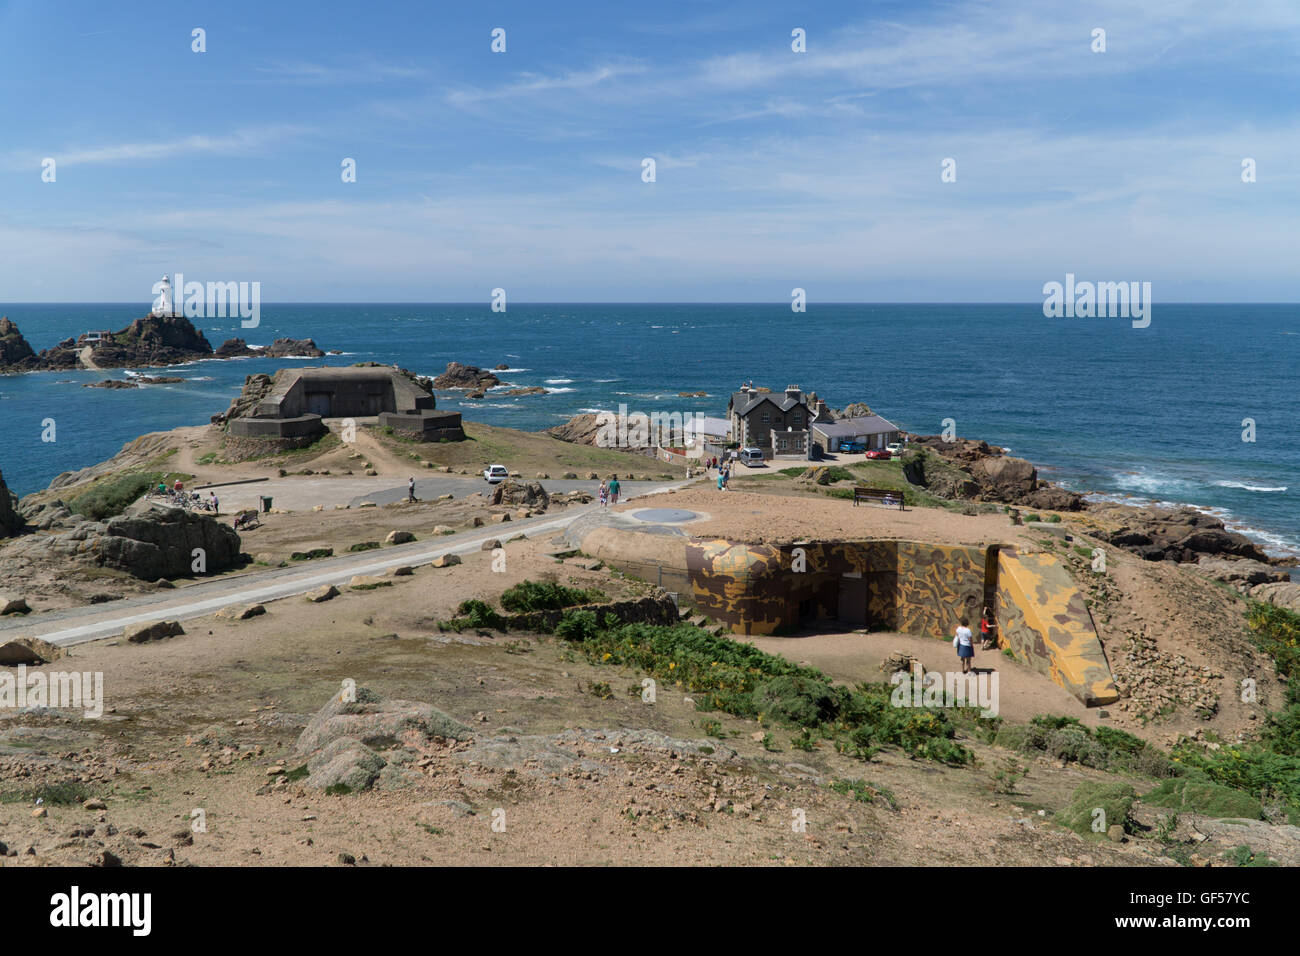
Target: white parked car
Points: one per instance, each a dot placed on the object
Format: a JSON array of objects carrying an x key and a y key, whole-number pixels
[
  {"x": 894, "y": 448},
  {"x": 753, "y": 457},
  {"x": 495, "y": 473}
]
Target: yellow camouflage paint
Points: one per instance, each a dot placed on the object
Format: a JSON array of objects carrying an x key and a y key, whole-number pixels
[{"x": 1044, "y": 620}]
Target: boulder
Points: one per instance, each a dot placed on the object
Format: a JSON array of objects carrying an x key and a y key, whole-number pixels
[
  {"x": 344, "y": 763},
  {"x": 343, "y": 741},
  {"x": 13, "y": 604},
  {"x": 520, "y": 494},
  {"x": 155, "y": 631},
  {"x": 323, "y": 593},
  {"x": 491, "y": 545},
  {"x": 1285, "y": 595},
  {"x": 241, "y": 613},
  {"x": 366, "y": 581},
  {"x": 28, "y": 650},
  {"x": 445, "y": 561},
  {"x": 156, "y": 541},
  {"x": 1005, "y": 479},
  {"x": 1240, "y": 570},
  {"x": 399, "y": 537},
  {"x": 470, "y": 377}
]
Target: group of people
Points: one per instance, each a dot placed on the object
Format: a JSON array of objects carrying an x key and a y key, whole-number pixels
[
  {"x": 609, "y": 489},
  {"x": 193, "y": 500},
  {"x": 723, "y": 467},
  {"x": 964, "y": 640}
]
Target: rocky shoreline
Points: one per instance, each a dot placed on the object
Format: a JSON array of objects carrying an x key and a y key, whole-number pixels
[{"x": 149, "y": 342}]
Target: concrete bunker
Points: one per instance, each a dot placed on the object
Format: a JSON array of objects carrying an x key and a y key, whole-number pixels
[
  {"x": 910, "y": 587},
  {"x": 301, "y": 399}
]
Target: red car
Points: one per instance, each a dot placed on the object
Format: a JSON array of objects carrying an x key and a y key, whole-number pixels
[{"x": 878, "y": 454}]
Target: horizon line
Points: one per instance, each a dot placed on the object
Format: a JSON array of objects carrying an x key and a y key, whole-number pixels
[{"x": 761, "y": 302}]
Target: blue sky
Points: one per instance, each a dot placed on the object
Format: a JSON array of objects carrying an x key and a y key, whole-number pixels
[{"x": 522, "y": 170}]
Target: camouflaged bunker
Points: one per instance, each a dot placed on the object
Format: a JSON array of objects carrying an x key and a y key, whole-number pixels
[{"x": 891, "y": 585}]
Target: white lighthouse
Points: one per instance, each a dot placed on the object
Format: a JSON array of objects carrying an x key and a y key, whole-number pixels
[{"x": 163, "y": 304}]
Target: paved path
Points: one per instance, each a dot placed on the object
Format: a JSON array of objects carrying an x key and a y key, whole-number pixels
[
  {"x": 301, "y": 493},
  {"x": 79, "y": 625}
]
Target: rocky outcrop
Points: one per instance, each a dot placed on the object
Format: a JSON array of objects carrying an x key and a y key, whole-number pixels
[
  {"x": 531, "y": 495},
  {"x": 1283, "y": 594},
  {"x": 292, "y": 348},
  {"x": 148, "y": 541},
  {"x": 580, "y": 429},
  {"x": 256, "y": 388},
  {"x": 15, "y": 354},
  {"x": 1174, "y": 534},
  {"x": 350, "y": 744},
  {"x": 528, "y": 390},
  {"x": 112, "y": 383},
  {"x": 234, "y": 348},
  {"x": 970, "y": 470},
  {"x": 149, "y": 341},
  {"x": 11, "y": 522},
  {"x": 466, "y": 376}
]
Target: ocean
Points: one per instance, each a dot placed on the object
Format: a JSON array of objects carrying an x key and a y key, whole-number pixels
[{"x": 1147, "y": 415}]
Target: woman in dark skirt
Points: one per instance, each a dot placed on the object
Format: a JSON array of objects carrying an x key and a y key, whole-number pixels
[{"x": 965, "y": 644}]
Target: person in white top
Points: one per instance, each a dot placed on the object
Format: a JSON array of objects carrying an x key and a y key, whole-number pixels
[{"x": 965, "y": 644}]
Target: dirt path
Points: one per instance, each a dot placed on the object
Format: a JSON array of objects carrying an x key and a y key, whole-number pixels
[{"x": 86, "y": 360}]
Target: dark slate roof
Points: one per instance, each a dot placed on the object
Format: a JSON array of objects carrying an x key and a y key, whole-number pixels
[
  {"x": 848, "y": 427},
  {"x": 742, "y": 404}
]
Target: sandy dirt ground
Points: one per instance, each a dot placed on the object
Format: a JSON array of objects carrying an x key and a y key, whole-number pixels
[{"x": 207, "y": 721}]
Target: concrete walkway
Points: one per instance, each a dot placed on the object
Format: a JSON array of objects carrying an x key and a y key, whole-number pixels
[{"x": 72, "y": 626}]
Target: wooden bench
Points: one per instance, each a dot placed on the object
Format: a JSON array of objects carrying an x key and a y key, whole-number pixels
[{"x": 885, "y": 496}]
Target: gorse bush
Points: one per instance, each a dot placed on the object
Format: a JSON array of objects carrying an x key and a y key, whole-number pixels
[
  {"x": 741, "y": 680},
  {"x": 111, "y": 497},
  {"x": 546, "y": 596},
  {"x": 1104, "y": 748},
  {"x": 474, "y": 614}
]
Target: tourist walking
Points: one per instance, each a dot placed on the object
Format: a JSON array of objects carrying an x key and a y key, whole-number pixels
[
  {"x": 613, "y": 489},
  {"x": 604, "y": 493},
  {"x": 965, "y": 644},
  {"x": 410, "y": 489},
  {"x": 213, "y": 503}
]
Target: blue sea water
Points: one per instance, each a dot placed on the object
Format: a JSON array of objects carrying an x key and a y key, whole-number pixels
[{"x": 1153, "y": 413}]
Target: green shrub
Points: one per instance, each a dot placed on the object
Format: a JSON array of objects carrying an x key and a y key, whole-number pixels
[
  {"x": 364, "y": 546},
  {"x": 1203, "y": 797},
  {"x": 1115, "y": 800},
  {"x": 546, "y": 596},
  {"x": 111, "y": 496},
  {"x": 474, "y": 614},
  {"x": 577, "y": 626},
  {"x": 796, "y": 701},
  {"x": 311, "y": 555}
]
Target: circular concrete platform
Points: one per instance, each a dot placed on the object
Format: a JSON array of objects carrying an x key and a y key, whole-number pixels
[{"x": 665, "y": 515}]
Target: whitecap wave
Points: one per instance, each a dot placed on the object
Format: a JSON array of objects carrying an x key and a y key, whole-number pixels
[
  {"x": 559, "y": 391},
  {"x": 1245, "y": 487},
  {"x": 559, "y": 381}
]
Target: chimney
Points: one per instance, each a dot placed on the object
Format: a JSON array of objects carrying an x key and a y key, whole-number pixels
[{"x": 792, "y": 391}]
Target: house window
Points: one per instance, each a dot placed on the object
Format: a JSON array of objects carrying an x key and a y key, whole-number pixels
[
  {"x": 767, "y": 419},
  {"x": 798, "y": 418}
]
